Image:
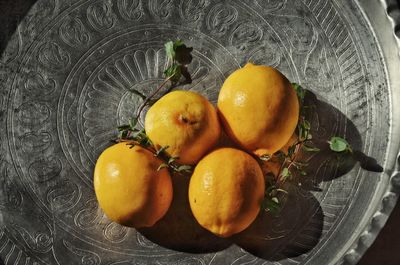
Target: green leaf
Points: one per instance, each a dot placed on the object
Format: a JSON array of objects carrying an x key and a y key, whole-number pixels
[
  {"x": 172, "y": 159},
  {"x": 275, "y": 199},
  {"x": 133, "y": 122},
  {"x": 173, "y": 72},
  {"x": 161, "y": 150},
  {"x": 271, "y": 206},
  {"x": 170, "y": 48},
  {"x": 309, "y": 148},
  {"x": 338, "y": 144},
  {"x": 300, "y": 91},
  {"x": 185, "y": 168},
  {"x": 285, "y": 173},
  {"x": 265, "y": 157},
  {"x": 306, "y": 125},
  {"x": 163, "y": 165},
  {"x": 124, "y": 127}
]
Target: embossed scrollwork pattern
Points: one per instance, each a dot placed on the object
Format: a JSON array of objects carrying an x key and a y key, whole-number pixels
[
  {"x": 53, "y": 57},
  {"x": 130, "y": 9},
  {"x": 220, "y": 18},
  {"x": 74, "y": 33},
  {"x": 101, "y": 16}
]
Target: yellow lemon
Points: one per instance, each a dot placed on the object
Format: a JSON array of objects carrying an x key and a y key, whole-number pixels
[
  {"x": 226, "y": 191},
  {"x": 258, "y": 108},
  {"x": 186, "y": 122},
  {"x": 129, "y": 188}
]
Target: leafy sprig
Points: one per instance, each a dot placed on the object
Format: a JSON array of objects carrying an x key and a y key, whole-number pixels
[
  {"x": 178, "y": 56},
  {"x": 131, "y": 135},
  {"x": 290, "y": 166}
]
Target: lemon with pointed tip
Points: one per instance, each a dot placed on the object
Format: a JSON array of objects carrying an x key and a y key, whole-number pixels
[
  {"x": 186, "y": 122},
  {"x": 129, "y": 188},
  {"x": 259, "y": 108},
  {"x": 226, "y": 191}
]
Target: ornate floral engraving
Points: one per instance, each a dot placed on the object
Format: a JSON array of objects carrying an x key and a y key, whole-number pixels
[
  {"x": 161, "y": 9},
  {"x": 245, "y": 34},
  {"x": 220, "y": 18},
  {"x": 64, "y": 195},
  {"x": 87, "y": 257},
  {"x": 37, "y": 241},
  {"x": 74, "y": 33},
  {"x": 304, "y": 38},
  {"x": 130, "y": 9},
  {"x": 33, "y": 113},
  {"x": 101, "y": 16},
  {"x": 38, "y": 84},
  {"x": 45, "y": 169},
  {"x": 265, "y": 54},
  {"x": 269, "y": 6},
  {"x": 89, "y": 216},
  {"x": 35, "y": 142},
  {"x": 53, "y": 57},
  {"x": 192, "y": 10},
  {"x": 115, "y": 233}
]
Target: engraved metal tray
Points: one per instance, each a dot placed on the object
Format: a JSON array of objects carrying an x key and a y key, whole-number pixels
[{"x": 64, "y": 87}]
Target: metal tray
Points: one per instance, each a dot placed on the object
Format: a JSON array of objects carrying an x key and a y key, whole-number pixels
[{"x": 64, "y": 80}]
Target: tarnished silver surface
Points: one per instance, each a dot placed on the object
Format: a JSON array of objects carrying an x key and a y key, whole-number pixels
[{"x": 64, "y": 80}]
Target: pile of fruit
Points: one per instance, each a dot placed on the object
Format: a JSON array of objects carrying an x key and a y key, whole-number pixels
[{"x": 226, "y": 146}]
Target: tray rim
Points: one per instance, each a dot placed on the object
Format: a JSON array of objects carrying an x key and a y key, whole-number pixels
[{"x": 391, "y": 193}]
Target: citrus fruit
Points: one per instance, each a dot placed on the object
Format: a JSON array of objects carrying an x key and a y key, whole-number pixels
[
  {"x": 184, "y": 121},
  {"x": 129, "y": 188},
  {"x": 259, "y": 108},
  {"x": 226, "y": 191}
]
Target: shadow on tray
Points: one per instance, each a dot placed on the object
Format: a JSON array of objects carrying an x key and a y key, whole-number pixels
[{"x": 299, "y": 226}]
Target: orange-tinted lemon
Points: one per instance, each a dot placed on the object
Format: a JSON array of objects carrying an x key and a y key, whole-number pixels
[
  {"x": 129, "y": 188},
  {"x": 186, "y": 122},
  {"x": 226, "y": 191},
  {"x": 259, "y": 108}
]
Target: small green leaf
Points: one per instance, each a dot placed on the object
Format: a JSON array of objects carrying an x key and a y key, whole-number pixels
[
  {"x": 173, "y": 72},
  {"x": 300, "y": 91},
  {"x": 161, "y": 150},
  {"x": 169, "y": 49},
  {"x": 275, "y": 199},
  {"x": 172, "y": 159},
  {"x": 285, "y": 173},
  {"x": 271, "y": 206},
  {"x": 185, "y": 168},
  {"x": 309, "y": 148},
  {"x": 265, "y": 157},
  {"x": 338, "y": 144},
  {"x": 163, "y": 165},
  {"x": 133, "y": 122},
  {"x": 282, "y": 190},
  {"x": 123, "y": 127},
  {"x": 306, "y": 125}
]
